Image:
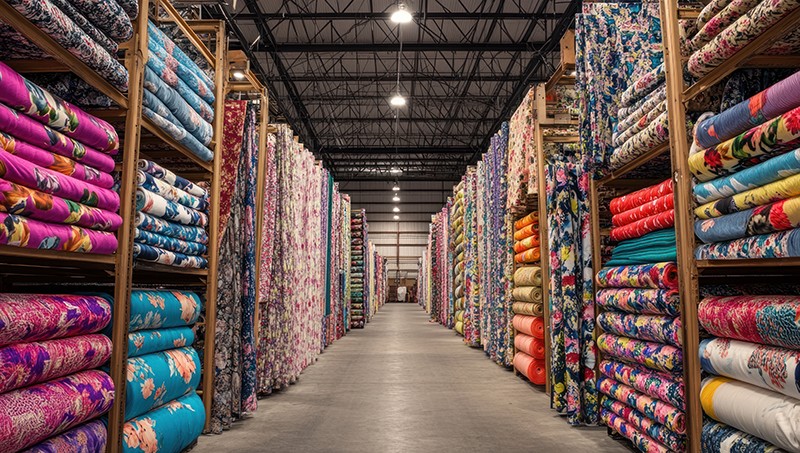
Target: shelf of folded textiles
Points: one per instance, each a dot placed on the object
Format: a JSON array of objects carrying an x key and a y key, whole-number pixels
[
  {"x": 65, "y": 59},
  {"x": 751, "y": 51},
  {"x": 769, "y": 266},
  {"x": 20, "y": 260},
  {"x": 157, "y": 135},
  {"x": 634, "y": 164},
  {"x": 146, "y": 271}
]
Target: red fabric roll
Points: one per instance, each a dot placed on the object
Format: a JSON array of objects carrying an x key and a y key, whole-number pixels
[
  {"x": 529, "y": 325},
  {"x": 634, "y": 199},
  {"x": 534, "y": 347},
  {"x": 641, "y": 227},
  {"x": 531, "y": 368},
  {"x": 657, "y": 206}
]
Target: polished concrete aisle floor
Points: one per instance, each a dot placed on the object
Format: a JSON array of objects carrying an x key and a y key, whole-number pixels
[{"x": 406, "y": 385}]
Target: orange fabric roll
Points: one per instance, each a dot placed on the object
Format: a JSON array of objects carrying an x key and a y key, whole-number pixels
[
  {"x": 529, "y": 325},
  {"x": 527, "y": 220},
  {"x": 528, "y": 231},
  {"x": 532, "y": 346},
  {"x": 526, "y": 244},
  {"x": 531, "y": 368},
  {"x": 528, "y": 256}
]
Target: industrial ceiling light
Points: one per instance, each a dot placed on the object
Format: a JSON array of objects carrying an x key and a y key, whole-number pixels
[
  {"x": 396, "y": 187},
  {"x": 398, "y": 100},
  {"x": 402, "y": 15},
  {"x": 397, "y": 217},
  {"x": 238, "y": 75},
  {"x": 395, "y": 209},
  {"x": 395, "y": 171},
  {"x": 396, "y": 199}
]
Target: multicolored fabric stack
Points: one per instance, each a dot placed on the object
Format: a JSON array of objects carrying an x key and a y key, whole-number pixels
[
  {"x": 457, "y": 249},
  {"x": 753, "y": 389},
  {"x": 440, "y": 270},
  {"x": 50, "y": 388},
  {"x": 55, "y": 172},
  {"x": 358, "y": 269},
  {"x": 338, "y": 263},
  {"x": 472, "y": 309},
  {"x": 522, "y": 163}
]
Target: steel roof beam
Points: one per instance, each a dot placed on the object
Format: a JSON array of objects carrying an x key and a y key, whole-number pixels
[
  {"x": 392, "y": 47},
  {"x": 385, "y": 16}
]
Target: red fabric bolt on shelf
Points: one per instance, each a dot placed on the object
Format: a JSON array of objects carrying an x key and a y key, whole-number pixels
[
  {"x": 532, "y": 346},
  {"x": 529, "y": 325},
  {"x": 528, "y": 256},
  {"x": 528, "y": 231},
  {"x": 530, "y": 219},
  {"x": 641, "y": 227},
  {"x": 526, "y": 244},
  {"x": 533, "y": 369},
  {"x": 634, "y": 199},
  {"x": 657, "y": 206}
]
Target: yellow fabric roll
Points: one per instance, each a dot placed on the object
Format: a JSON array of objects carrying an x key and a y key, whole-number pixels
[
  {"x": 528, "y": 276},
  {"x": 528, "y": 308},
  {"x": 774, "y": 191},
  {"x": 459, "y": 327},
  {"x": 460, "y": 315},
  {"x": 527, "y": 294}
]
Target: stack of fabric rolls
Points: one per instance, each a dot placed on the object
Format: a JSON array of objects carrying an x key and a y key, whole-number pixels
[
  {"x": 642, "y": 368},
  {"x": 51, "y": 392},
  {"x": 459, "y": 244},
  {"x": 472, "y": 309},
  {"x": 748, "y": 177},
  {"x": 91, "y": 30},
  {"x": 55, "y": 164},
  {"x": 171, "y": 218},
  {"x": 163, "y": 411},
  {"x": 178, "y": 95},
  {"x": 528, "y": 320},
  {"x": 752, "y": 393},
  {"x": 357, "y": 255}
]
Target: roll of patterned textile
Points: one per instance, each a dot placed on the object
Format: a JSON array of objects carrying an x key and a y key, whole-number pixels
[
  {"x": 664, "y": 386},
  {"x": 642, "y": 86},
  {"x": 634, "y": 199},
  {"x": 659, "y": 411},
  {"x": 109, "y": 16},
  {"x": 89, "y": 437},
  {"x": 661, "y": 329},
  {"x": 527, "y": 294},
  {"x": 178, "y": 107},
  {"x": 163, "y": 174},
  {"x": 531, "y": 368},
  {"x": 169, "y": 428},
  {"x": 149, "y": 253},
  {"x": 643, "y": 211},
  {"x": 88, "y": 27},
  {"x": 169, "y": 243},
  {"x": 24, "y": 364},
  {"x": 28, "y": 233},
  {"x": 146, "y": 222},
  {"x": 762, "y": 413},
  {"x": 770, "y": 193},
  {"x": 198, "y": 104},
  {"x": 657, "y": 356},
  {"x": 721, "y": 438},
  {"x": 155, "y": 379},
  {"x": 758, "y": 319},
  {"x": 526, "y": 244},
  {"x": 528, "y": 231},
  {"x": 532, "y": 346},
  {"x": 625, "y": 429},
  {"x": 630, "y": 116},
  {"x": 767, "y": 367},
  {"x": 620, "y": 137},
  {"x": 644, "y": 301},
  {"x": 641, "y": 227},
  {"x": 529, "y": 219},
  {"x": 156, "y": 205},
  {"x": 724, "y": 18},
  {"x": 38, "y": 317},
  {"x": 529, "y": 325},
  {"x": 784, "y": 244},
  {"x": 779, "y": 216},
  {"x": 528, "y": 276},
  {"x": 656, "y": 133},
  {"x": 156, "y": 340},
  {"x": 169, "y": 191},
  {"x": 32, "y": 414},
  {"x": 657, "y": 275},
  {"x": 166, "y": 50},
  {"x": 528, "y": 308},
  {"x": 35, "y": 102},
  {"x": 162, "y": 309},
  {"x": 644, "y": 424},
  {"x": 158, "y": 112},
  {"x": 529, "y": 256}
]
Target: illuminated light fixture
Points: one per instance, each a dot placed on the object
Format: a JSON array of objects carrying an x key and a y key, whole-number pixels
[
  {"x": 395, "y": 171},
  {"x": 402, "y": 15},
  {"x": 396, "y": 198},
  {"x": 397, "y": 100},
  {"x": 396, "y": 188},
  {"x": 238, "y": 74},
  {"x": 397, "y": 217},
  {"x": 396, "y": 209},
  {"x": 573, "y": 73}
]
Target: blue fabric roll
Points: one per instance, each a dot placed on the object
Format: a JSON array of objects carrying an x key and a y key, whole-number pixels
[
  {"x": 190, "y": 233},
  {"x": 784, "y": 244},
  {"x": 164, "y": 48},
  {"x": 168, "y": 243},
  {"x": 162, "y": 309},
  {"x": 193, "y": 99},
  {"x": 173, "y": 127},
  {"x": 725, "y": 228},
  {"x": 156, "y": 340},
  {"x": 155, "y": 379},
  {"x": 167, "y": 429},
  {"x": 180, "y": 109},
  {"x": 158, "y": 255}
]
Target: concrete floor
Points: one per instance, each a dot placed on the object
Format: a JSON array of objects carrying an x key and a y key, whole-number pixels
[{"x": 406, "y": 385}]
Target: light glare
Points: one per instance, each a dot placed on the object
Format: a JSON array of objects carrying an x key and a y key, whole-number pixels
[{"x": 402, "y": 16}]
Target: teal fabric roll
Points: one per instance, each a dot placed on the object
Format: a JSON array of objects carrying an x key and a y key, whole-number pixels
[
  {"x": 155, "y": 379},
  {"x": 162, "y": 309},
  {"x": 168, "y": 429},
  {"x": 655, "y": 247},
  {"x": 150, "y": 341}
]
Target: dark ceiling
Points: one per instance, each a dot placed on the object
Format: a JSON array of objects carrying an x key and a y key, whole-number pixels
[{"x": 331, "y": 68}]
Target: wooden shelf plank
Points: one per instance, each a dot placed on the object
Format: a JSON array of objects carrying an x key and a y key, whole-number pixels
[
  {"x": 634, "y": 164},
  {"x": 561, "y": 139},
  {"x": 143, "y": 266},
  {"x": 55, "y": 257},
  {"x": 171, "y": 142},
  {"x": 749, "y": 264}
]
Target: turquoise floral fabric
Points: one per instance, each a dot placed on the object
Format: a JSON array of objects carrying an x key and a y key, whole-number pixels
[
  {"x": 155, "y": 379},
  {"x": 167, "y": 429},
  {"x": 162, "y": 309},
  {"x": 149, "y": 341}
]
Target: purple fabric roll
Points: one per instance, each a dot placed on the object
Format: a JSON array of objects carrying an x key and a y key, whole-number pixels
[
  {"x": 87, "y": 438},
  {"x": 20, "y": 171},
  {"x": 28, "y": 233},
  {"x": 20, "y": 200},
  {"x": 37, "y": 134}
]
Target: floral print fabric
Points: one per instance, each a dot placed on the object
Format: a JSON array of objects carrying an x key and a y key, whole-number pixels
[
  {"x": 155, "y": 110},
  {"x": 666, "y": 387},
  {"x": 180, "y": 112},
  {"x": 155, "y": 379},
  {"x": 522, "y": 166},
  {"x": 758, "y": 319},
  {"x": 109, "y": 16},
  {"x": 179, "y": 62},
  {"x": 783, "y": 215},
  {"x": 162, "y": 309},
  {"x": 776, "y": 245},
  {"x": 657, "y": 275},
  {"x": 37, "y": 317},
  {"x": 662, "y": 329},
  {"x": 169, "y": 191},
  {"x": 721, "y": 438},
  {"x": 164, "y": 174},
  {"x": 644, "y": 424},
  {"x": 656, "y": 356},
  {"x": 169, "y": 428},
  {"x": 72, "y": 88},
  {"x": 168, "y": 243},
  {"x": 156, "y": 205},
  {"x": 168, "y": 76},
  {"x": 28, "y": 233},
  {"x": 149, "y": 341},
  {"x": 81, "y": 21},
  {"x": 770, "y": 193},
  {"x": 659, "y": 411},
  {"x": 640, "y": 300},
  {"x": 146, "y": 222},
  {"x": 144, "y": 252},
  {"x": 631, "y": 432},
  {"x": 86, "y": 438}
]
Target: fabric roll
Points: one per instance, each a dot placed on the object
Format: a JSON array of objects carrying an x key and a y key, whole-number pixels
[
  {"x": 32, "y": 414},
  {"x": 663, "y": 386},
  {"x": 749, "y": 148},
  {"x": 655, "y": 134},
  {"x": 55, "y": 162},
  {"x": 109, "y": 16},
  {"x": 527, "y": 294},
  {"x": 532, "y": 346},
  {"x": 155, "y": 379},
  {"x": 166, "y": 50},
  {"x": 762, "y": 413},
  {"x": 652, "y": 247},
  {"x": 146, "y": 222},
  {"x": 767, "y": 367},
  {"x": 629, "y": 116},
  {"x": 178, "y": 107},
  {"x": 656, "y": 356},
  {"x": 784, "y": 244},
  {"x": 635, "y": 199},
  {"x": 644, "y": 226},
  {"x": 459, "y": 327},
  {"x": 144, "y": 252},
  {"x": 72, "y": 88},
  {"x": 643, "y": 211},
  {"x": 180, "y": 182},
  {"x": 157, "y": 340},
  {"x": 90, "y": 437},
  {"x": 637, "y": 300},
  {"x": 156, "y": 205},
  {"x": 87, "y": 26},
  {"x": 620, "y": 137},
  {"x": 166, "y": 41},
  {"x": 161, "y": 116},
  {"x": 528, "y": 276},
  {"x": 39, "y": 317},
  {"x": 661, "y": 329},
  {"x": 710, "y": 10},
  {"x": 24, "y": 364},
  {"x": 771, "y": 218},
  {"x": 22, "y": 201},
  {"x": 529, "y": 256},
  {"x": 52, "y": 21},
  {"x": 526, "y": 244},
  {"x": 530, "y": 219},
  {"x": 38, "y": 104},
  {"x": 20, "y": 171},
  {"x": 657, "y": 275},
  {"x": 163, "y": 309},
  {"x": 645, "y": 425},
  {"x": 759, "y": 196},
  {"x": 657, "y": 410},
  {"x": 528, "y": 308},
  {"x": 528, "y": 231},
  {"x": 529, "y": 325},
  {"x": 724, "y": 18},
  {"x": 720, "y": 438},
  {"x": 643, "y": 86},
  {"x": 531, "y": 368},
  {"x": 169, "y": 428},
  {"x": 769, "y": 320},
  {"x": 627, "y": 430},
  {"x": 169, "y": 243},
  {"x": 28, "y": 233},
  {"x": 169, "y": 77},
  {"x": 32, "y": 132}
]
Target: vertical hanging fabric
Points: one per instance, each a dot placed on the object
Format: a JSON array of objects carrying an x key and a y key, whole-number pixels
[{"x": 471, "y": 276}]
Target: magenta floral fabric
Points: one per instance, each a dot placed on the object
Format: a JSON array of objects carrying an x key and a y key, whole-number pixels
[
  {"x": 657, "y": 410},
  {"x": 640, "y": 300},
  {"x": 658, "y": 275},
  {"x": 773, "y": 320},
  {"x": 28, "y": 233},
  {"x": 87, "y": 438},
  {"x": 646, "y": 425},
  {"x": 657, "y": 356},
  {"x": 663, "y": 386}
]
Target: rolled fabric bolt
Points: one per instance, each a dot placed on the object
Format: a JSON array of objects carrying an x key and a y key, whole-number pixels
[
  {"x": 527, "y": 294},
  {"x": 529, "y": 219},
  {"x": 532, "y": 346},
  {"x": 530, "y": 325},
  {"x": 528, "y": 276},
  {"x": 528, "y": 256},
  {"x": 528, "y": 308},
  {"x": 528, "y": 231},
  {"x": 531, "y": 368},
  {"x": 526, "y": 244}
]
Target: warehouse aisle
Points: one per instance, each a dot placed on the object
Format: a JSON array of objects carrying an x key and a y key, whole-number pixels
[{"x": 406, "y": 385}]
